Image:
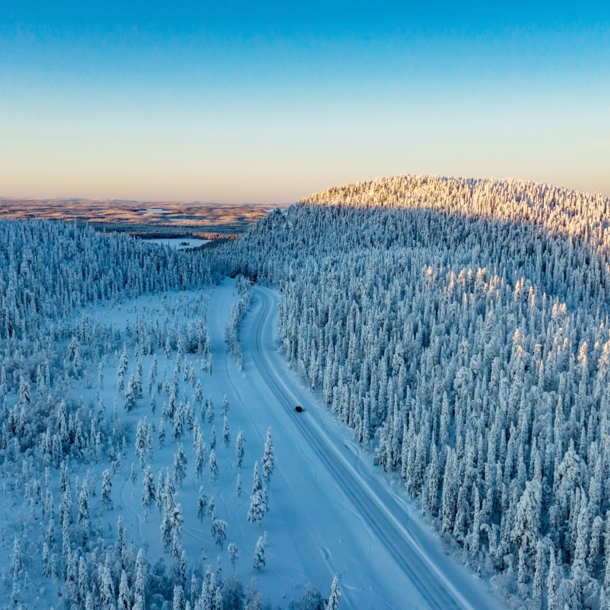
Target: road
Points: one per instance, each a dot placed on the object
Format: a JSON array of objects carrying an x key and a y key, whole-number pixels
[{"x": 439, "y": 580}]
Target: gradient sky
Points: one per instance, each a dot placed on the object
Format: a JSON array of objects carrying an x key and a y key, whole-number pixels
[{"x": 269, "y": 101}]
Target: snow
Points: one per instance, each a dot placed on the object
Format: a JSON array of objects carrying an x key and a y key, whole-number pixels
[
  {"x": 329, "y": 512},
  {"x": 180, "y": 243}
]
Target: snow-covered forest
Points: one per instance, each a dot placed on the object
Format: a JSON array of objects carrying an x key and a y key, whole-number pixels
[
  {"x": 121, "y": 464},
  {"x": 460, "y": 329}
]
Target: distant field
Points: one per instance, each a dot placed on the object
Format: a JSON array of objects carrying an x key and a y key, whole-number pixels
[{"x": 159, "y": 219}]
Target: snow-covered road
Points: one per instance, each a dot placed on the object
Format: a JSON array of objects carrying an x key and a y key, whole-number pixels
[{"x": 347, "y": 518}]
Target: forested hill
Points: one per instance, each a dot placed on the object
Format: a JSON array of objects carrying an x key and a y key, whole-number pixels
[
  {"x": 559, "y": 210},
  {"x": 460, "y": 328}
]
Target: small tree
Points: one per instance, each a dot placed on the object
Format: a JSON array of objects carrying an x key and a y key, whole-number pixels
[
  {"x": 213, "y": 466},
  {"x": 239, "y": 448},
  {"x": 148, "y": 491},
  {"x": 226, "y": 432},
  {"x": 233, "y": 554},
  {"x": 107, "y": 489},
  {"x": 259, "y": 562},
  {"x": 219, "y": 531},
  {"x": 180, "y": 462},
  {"x": 268, "y": 462},
  {"x": 335, "y": 595},
  {"x": 131, "y": 394}
]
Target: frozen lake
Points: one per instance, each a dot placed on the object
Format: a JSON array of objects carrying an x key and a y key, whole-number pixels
[{"x": 180, "y": 243}]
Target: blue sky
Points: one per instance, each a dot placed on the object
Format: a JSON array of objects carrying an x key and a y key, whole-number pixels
[{"x": 267, "y": 102}]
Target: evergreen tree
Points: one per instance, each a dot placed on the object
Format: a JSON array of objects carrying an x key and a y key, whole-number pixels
[
  {"x": 233, "y": 554},
  {"x": 259, "y": 562},
  {"x": 124, "y": 599},
  {"x": 226, "y": 433},
  {"x": 268, "y": 462},
  {"x": 148, "y": 491},
  {"x": 335, "y": 595},
  {"x": 213, "y": 466},
  {"x": 239, "y": 448},
  {"x": 107, "y": 489}
]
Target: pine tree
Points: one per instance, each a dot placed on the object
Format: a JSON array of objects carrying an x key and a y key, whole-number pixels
[
  {"x": 106, "y": 588},
  {"x": 253, "y": 598},
  {"x": 552, "y": 584},
  {"x": 107, "y": 489},
  {"x": 124, "y": 599},
  {"x": 239, "y": 448},
  {"x": 166, "y": 531},
  {"x": 131, "y": 394},
  {"x": 233, "y": 554},
  {"x": 46, "y": 560},
  {"x": 148, "y": 491},
  {"x": 178, "y": 598},
  {"x": 16, "y": 558},
  {"x": 213, "y": 466},
  {"x": 335, "y": 595},
  {"x": 538, "y": 585},
  {"x": 226, "y": 433},
  {"x": 161, "y": 433},
  {"x": 180, "y": 462},
  {"x": 139, "y": 587},
  {"x": 259, "y": 562},
  {"x": 219, "y": 531},
  {"x": 152, "y": 375},
  {"x": 200, "y": 455},
  {"x": 268, "y": 462}
]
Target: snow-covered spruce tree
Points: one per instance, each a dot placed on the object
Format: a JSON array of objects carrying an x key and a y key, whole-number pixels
[
  {"x": 259, "y": 561},
  {"x": 226, "y": 432},
  {"x": 335, "y": 595},
  {"x": 258, "y": 499},
  {"x": 238, "y": 312},
  {"x": 239, "y": 448},
  {"x": 107, "y": 489},
  {"x": 213, "y": 466},
  {"x": 148, "y": 491},
  {"x": 180, "y": 461},
  {"x": 233, "y": 554},
  {"x": 268, "y": 462}
]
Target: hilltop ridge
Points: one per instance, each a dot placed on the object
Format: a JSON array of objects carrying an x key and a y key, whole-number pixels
[{"x": 559, "y": 210}]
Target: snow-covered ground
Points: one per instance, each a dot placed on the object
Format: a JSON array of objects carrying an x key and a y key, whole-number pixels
[
  {"x": 347, "y": 519},
  {"x": 329, "y": 512}
]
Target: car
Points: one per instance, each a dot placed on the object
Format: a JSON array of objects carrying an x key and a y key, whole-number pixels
[{"x": 299, "y": 409}]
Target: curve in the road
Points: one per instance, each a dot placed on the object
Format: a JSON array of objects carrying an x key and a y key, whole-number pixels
[{"x": 438, "y": 591}]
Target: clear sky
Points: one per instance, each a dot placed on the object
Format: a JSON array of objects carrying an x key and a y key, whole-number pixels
[{"x": 241, "y": 101}]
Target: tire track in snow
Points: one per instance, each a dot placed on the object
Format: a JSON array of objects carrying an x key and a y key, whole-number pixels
[{"x": 438, "y": 590}]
